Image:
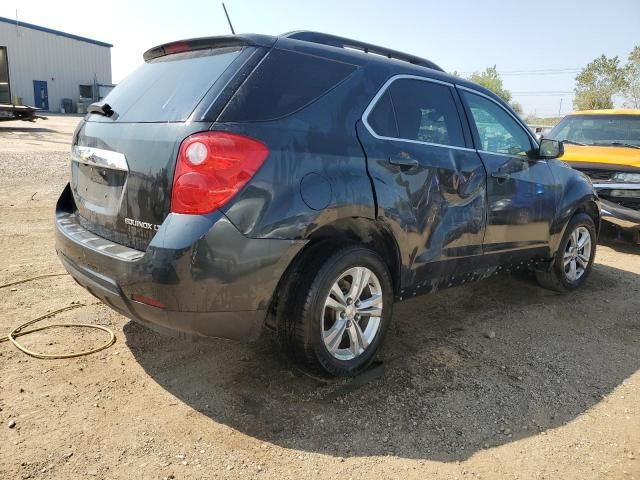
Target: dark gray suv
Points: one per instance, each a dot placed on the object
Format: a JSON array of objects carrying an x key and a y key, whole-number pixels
[{"x": 305, "y": 183}]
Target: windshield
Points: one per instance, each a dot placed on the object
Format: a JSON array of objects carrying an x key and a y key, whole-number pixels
[{"x": 602, "y": 130}]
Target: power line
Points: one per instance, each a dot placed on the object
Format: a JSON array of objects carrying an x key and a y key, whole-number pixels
[
  {"x": 520, "y": 74},
  {"x": 541, "y": 71},
  {"x": 537, "y": 72},
  {"x": 543, "y": 93}
]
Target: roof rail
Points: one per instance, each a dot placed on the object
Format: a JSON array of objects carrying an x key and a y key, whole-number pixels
[{"x": 342, "y": 42}]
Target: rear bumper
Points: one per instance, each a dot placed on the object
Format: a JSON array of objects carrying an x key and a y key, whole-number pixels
[
  {"x": 212, "y": 280},
  {"x": 239, "y": 325}
]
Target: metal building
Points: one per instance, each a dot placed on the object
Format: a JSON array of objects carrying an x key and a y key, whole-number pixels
[{"x": 41, "y": 67}]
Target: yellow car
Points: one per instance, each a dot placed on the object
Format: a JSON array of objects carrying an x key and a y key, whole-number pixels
[{"x": 605, "y": 145}]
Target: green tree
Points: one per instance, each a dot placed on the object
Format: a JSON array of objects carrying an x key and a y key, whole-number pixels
[
  {"x": 631, "y": 90},
  {"x": 490, "y": 79},
  {"x": 517, "y": 107},
  {"x": 598, "y": 82}
]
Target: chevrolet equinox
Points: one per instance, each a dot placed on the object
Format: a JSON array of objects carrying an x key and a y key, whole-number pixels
[{"x": 305, "y": 183}]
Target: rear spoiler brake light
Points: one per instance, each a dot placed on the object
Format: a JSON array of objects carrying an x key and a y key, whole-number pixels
[{"x": 208, "y": 42}]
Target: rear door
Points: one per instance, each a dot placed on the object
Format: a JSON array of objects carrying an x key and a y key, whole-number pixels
[
  {"x": 521, "y": 189},
  {"x": 429, "y": 185},
  {"x": 123, "y": 165}
]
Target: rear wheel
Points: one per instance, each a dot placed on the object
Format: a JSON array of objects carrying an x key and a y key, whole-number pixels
[
  {"x": 335, "y": 311},
  {"x": 574, "y": 259}
]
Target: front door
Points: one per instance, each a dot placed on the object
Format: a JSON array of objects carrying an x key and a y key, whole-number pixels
[
  {"x": 521, "y": 189},
  {"x": 41, "y": 94},
  {"x": 429, "y": 185}
]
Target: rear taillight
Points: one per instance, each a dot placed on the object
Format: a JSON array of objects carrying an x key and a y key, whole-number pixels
[{"x": 212, "y": 167}]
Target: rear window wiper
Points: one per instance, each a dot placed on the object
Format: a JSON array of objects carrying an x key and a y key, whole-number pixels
[
  {"x": 101, "y": 108},
  {"x": 574, "y": 143}
]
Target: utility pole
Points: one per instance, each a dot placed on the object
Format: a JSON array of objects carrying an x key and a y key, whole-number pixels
[
  {"x": 560, "y": 109},
  {"x": 228, "y": 19}
]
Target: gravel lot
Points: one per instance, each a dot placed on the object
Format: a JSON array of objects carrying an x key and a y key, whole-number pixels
[{"x": 500, "y": 379}]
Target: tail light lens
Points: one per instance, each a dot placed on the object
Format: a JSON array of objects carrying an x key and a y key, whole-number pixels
[{"x": 212, "y": 167}]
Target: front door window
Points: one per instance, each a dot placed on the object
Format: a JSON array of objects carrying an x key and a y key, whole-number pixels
[{"x": 498, "y": 131}]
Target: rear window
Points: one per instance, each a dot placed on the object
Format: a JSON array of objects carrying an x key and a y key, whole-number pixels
[
  {"x": 168, "y": 89},
  {"x": 284, "y": 83}
]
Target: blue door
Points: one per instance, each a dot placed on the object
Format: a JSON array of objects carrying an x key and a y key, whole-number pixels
[
  {"x": 41, "y": 94},
  {"x": 429, "y": 184},
  {"x": 521, "y": 190}
]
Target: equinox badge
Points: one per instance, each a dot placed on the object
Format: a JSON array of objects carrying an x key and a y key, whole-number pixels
[{"x": 141, "y": 224}]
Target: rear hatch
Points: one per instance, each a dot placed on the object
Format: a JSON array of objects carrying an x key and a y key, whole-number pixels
[{"x": 122, "y": 164}]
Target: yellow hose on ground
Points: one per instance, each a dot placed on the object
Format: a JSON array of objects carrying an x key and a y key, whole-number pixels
[{"x": 17, "y": 332}]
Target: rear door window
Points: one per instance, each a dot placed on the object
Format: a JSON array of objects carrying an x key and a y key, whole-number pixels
[
  {"x": 284, "y": 83},
  {"x": 168, "y": 89},
  {"x": 418, "y": 110},
  {"x": 382, "y": 118}
]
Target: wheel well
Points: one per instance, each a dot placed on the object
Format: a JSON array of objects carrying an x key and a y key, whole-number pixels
[
  {"x": 355, "y": 230},
  {"x": 591, "y": 209}
]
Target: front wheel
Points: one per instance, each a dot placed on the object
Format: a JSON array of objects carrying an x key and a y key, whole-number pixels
[
  {"x": 336, "y": 310},
  {"x": 574, "y": 259}
]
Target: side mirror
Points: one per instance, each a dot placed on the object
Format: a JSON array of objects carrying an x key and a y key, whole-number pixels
[{"x": 550, "y": 149}]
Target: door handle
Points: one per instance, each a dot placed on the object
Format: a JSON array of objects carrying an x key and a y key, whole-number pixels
[
  {"x": 500, "y": 174},
  {"x": 406, "y": 163}
]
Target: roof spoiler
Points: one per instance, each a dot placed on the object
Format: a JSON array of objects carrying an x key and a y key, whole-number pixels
[
  {"x": 208, "y": 42},
  {"x": 342, "y": 42}
]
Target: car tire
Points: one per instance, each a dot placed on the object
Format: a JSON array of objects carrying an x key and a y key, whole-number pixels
[
  {"x": 324, "y": 331},
  {"x": 572, "y": 265}
]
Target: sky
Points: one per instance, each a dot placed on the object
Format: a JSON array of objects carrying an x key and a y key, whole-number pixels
[{"x": 538, "y": 46}]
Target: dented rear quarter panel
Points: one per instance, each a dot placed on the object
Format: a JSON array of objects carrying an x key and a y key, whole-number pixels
[{"x": 316, "y": 171}]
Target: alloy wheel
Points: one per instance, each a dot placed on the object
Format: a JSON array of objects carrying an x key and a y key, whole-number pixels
[
  {"x": 577, "y": 254},
  {"x": 352, "y": 313}
]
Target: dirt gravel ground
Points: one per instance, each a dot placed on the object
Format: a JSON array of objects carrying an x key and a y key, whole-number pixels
[{"x": 500, "y": 379}]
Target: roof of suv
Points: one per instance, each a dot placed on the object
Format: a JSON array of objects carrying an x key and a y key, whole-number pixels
[
  {"x": 408, "y": 63},
  {"x": 301, "y": 35},
  {"x": 348, "y": 43}
]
